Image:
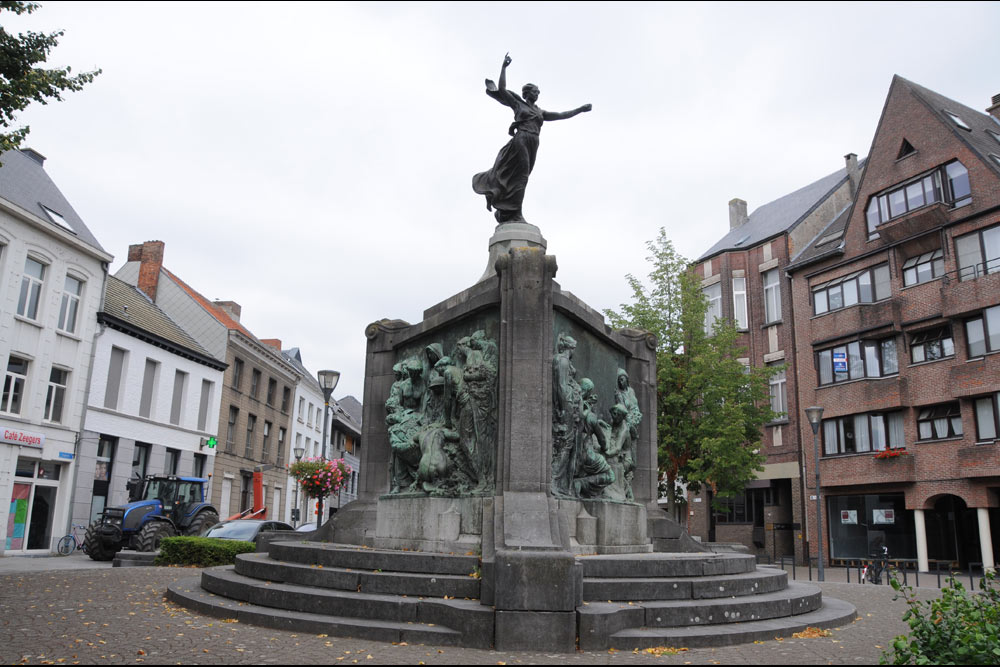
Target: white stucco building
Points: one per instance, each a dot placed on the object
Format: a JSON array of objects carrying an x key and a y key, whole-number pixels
[
  {"x": 52, "y": 275},
  {"x": 154, "y": 402}
]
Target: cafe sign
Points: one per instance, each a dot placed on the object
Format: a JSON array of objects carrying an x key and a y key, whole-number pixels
[{"x": 15, "y": 436}]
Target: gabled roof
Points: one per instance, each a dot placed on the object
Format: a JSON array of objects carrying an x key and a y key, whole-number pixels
[
  {"x": 780, "y": 215},
  {"x": 213, "y": 310},
  {"x": 830, "y": 241},
  {"x": 24, "y": 182},
  {"x": 130, "y": 309},
  {"x": 352, "y": 407},
  {"x": 976, "y": 137}
]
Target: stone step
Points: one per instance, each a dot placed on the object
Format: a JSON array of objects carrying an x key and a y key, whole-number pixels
[
  {"x": 134, "y": 559},
  {"x": 190, "y": 594},
  {"x": 666, "y": 565},
  {"x": 261, "y": 566},
  {"x": 359, "y": 558},
  {"x": 599, "y": 620},
  {"x": 833, "y": 613},
  {"x": 765, "y": 580},
  {"x": 467, "y": 617}
]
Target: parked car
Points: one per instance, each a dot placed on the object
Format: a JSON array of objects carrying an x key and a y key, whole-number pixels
[
  {"x": 306, "y": 528},
  {"x": 247, "y": 530}
]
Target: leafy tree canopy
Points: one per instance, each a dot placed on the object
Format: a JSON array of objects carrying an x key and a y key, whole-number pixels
[
  {"x": 710, "y": 407},
  {"x": 22, "y": 78}
]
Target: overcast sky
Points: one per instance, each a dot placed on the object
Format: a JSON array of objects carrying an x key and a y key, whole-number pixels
[{"x": 313, "y": 161}]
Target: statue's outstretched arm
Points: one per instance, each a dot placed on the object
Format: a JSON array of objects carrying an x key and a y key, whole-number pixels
[
  {"x": 563, "y": 115},
  {"x": 498, "y": 91}
]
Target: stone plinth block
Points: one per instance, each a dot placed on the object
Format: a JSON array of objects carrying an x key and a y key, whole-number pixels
[
  {"x": 430, "y": 524},
  {"x": 537, "y": 581},
  {"x": 536, "y": 631}
]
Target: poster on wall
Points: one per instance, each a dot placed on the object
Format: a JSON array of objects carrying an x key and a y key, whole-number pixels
[
  {"x": 884, "y": 516},
  {"x": 840, "y": 362},
  {"x": 849, "y": 517}
]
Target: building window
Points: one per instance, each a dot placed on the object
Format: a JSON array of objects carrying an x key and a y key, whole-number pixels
[
  {"x": 713, "y": 294},
  {"x": 857, "y": 434},
  {"x": 740, "y": 303},
  {"x": 311, "y": 409},
  {"x": 13, "y": 385},
  {"x": 206, "y": 399},
  {"x": 281, "y": 446},
  {"x": 70, "y": 304},
  {"x": 116, "y": 369},
  {"x": 234, "y": 413},
  {"x": 55, "y": 398},
  {"x": 919, "y": 192},
  {"x": 302, "y": 408},
  {"x": 743, "y": 508},
  {"x": 939, "y": 422},
  {"x": 987, "y": 425},
  {"x": 251, "y": 424},
  {"x": 272, "y": 389},
  {"x": 865, "y": 286},
  {"x": 173, "y": 459},
  {"x": 857, "y": 360},
  {"x": 31, "y": 289},
  {"x": 772, "y": 296},
  {"x": 978, "y": 253},
  {"x": 779, "y": 401},
  {"x": 199, "y": 464},
  {"x": 180, "y": 394},
  {"x": 140, "y": 460},
  {"x": 982, "y": 334},
  {"x": 237, "y": 373},
  {"x": 932, "y": 345},
  {"x": 267, "y": 442},
  {"x": 254, "y": 383},
  {"x": 148, "y": 396},
  {"x": 286, "y": 398},
  {"x": 923, "y": 268}
]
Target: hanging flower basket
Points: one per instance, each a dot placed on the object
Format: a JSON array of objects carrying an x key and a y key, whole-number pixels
[
  {"x": 320, "y": 478},
  {"x": 891, "y": 453}
]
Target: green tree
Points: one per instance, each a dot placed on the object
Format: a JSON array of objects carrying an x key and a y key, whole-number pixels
[
  {"x": 710, "y": 407},
  {"x": 23, "y": 80}
]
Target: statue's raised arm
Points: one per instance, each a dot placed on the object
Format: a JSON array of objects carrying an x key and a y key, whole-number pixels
[{"x": 504, "y": 184}]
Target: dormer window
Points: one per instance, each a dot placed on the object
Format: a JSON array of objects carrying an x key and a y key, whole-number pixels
[
  {"x": 949, "y": 183},
  {"x": 58, "y": 219}
]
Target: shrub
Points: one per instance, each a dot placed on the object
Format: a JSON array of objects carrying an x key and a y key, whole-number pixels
[
  {"x": 956, "y": 628},
  {"x": 201, "y": 551}
]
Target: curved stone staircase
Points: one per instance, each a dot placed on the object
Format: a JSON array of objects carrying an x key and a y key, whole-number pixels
[{"x": 630, "y": 601}]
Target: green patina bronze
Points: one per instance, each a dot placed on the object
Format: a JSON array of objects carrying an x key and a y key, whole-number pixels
[
  {"x": 441, "y": 416},
  {"x": 592, "y": 459}
]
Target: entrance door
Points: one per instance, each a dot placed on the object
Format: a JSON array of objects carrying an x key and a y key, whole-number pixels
[
  {"x": 952, "y": 532},
  {"x": 32, "y": 505}
]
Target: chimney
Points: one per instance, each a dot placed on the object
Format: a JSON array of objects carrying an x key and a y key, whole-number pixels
[
  {"x": 851, "y": 160},
  {"x": 34, "y": 155},
  {"x": 272, "y": 342},
  {"x": 994, "y": 108},
  {"x": 150, "y": 258},
  {"x": 737, "y": 213},
  {"x": 231, "y": 308}
]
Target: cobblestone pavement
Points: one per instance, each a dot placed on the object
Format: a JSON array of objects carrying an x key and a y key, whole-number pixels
[{"x": 119, "y": 616}]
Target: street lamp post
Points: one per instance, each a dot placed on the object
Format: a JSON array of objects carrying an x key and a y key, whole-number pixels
[
  {"x": 327, "y": 382},
  {"x": 298, "y": 451},
  {"x": 815, "y": 417}
]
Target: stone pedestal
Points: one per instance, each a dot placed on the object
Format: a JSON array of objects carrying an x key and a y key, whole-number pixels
[{"x": 509, "y": 235}]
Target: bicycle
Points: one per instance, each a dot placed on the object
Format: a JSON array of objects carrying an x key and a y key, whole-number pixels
[
  {"x": 874, "y": 569},
  {"x": 70, "y": 543}
]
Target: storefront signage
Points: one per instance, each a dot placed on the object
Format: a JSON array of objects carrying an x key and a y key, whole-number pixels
[
  {"x": 884, "y": 516},
  {"x": 839, "y": 362},
  {"x": 849, "y": 516},
  {"x": 66, "y": 455},
  {"x": 15, "y": 436}
]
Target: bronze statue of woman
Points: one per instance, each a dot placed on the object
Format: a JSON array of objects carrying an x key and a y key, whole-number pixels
[{"x": 504, "y": 184}]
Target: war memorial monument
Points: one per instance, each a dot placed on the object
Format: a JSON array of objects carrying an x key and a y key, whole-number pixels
[{"x": 508, "y": 496}]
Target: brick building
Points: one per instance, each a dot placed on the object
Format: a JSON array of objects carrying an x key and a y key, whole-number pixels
[
  {"x": 254, "y": 419},
  {"x": 744, "y": 281},
  {"x": 897, "y": 326}
]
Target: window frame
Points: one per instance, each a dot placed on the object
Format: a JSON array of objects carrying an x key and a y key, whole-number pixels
[
  {"x": 882, "y": 207},
  {"x": 30, "y": 294},
  {"x": 827, "y": 289},
  {"x": 740, "y": 299},
  {"x": 14, "y": 386},
  {"x": 994, "y": 403},
  {"x": 237, "y": 377},
  {"x": 984, "y": 319},
  {"x": 863, "y": 345},
  {"x": 69, "y": 307},
  {"x": 713, "y": 311},
  {"x": 251, "y": 426},
  {"x": 772, "y": 311},
  {"x": 950, "y": 413},
  {"x": 255, "y": 376},
  {"x": 942, "y": 334},
  {"x": 55, "y": 396},
  {"x": 873, "y": 447},
  {"x": 985, "y": 265},
  {"x": 234, "y": 415},
  {"x": 934, "y": 259}
]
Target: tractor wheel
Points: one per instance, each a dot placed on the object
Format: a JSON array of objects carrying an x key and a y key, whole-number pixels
[
  {"x": 94, "y": 547},
  {"x": 201, "y": 523},
  {"x": 152, "y": 534}
]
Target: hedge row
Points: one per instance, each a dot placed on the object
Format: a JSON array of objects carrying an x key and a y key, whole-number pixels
[{"x": 201, "y": 551}]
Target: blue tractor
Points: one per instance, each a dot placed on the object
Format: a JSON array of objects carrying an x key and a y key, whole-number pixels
[{"x": 159, "y": 506}]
